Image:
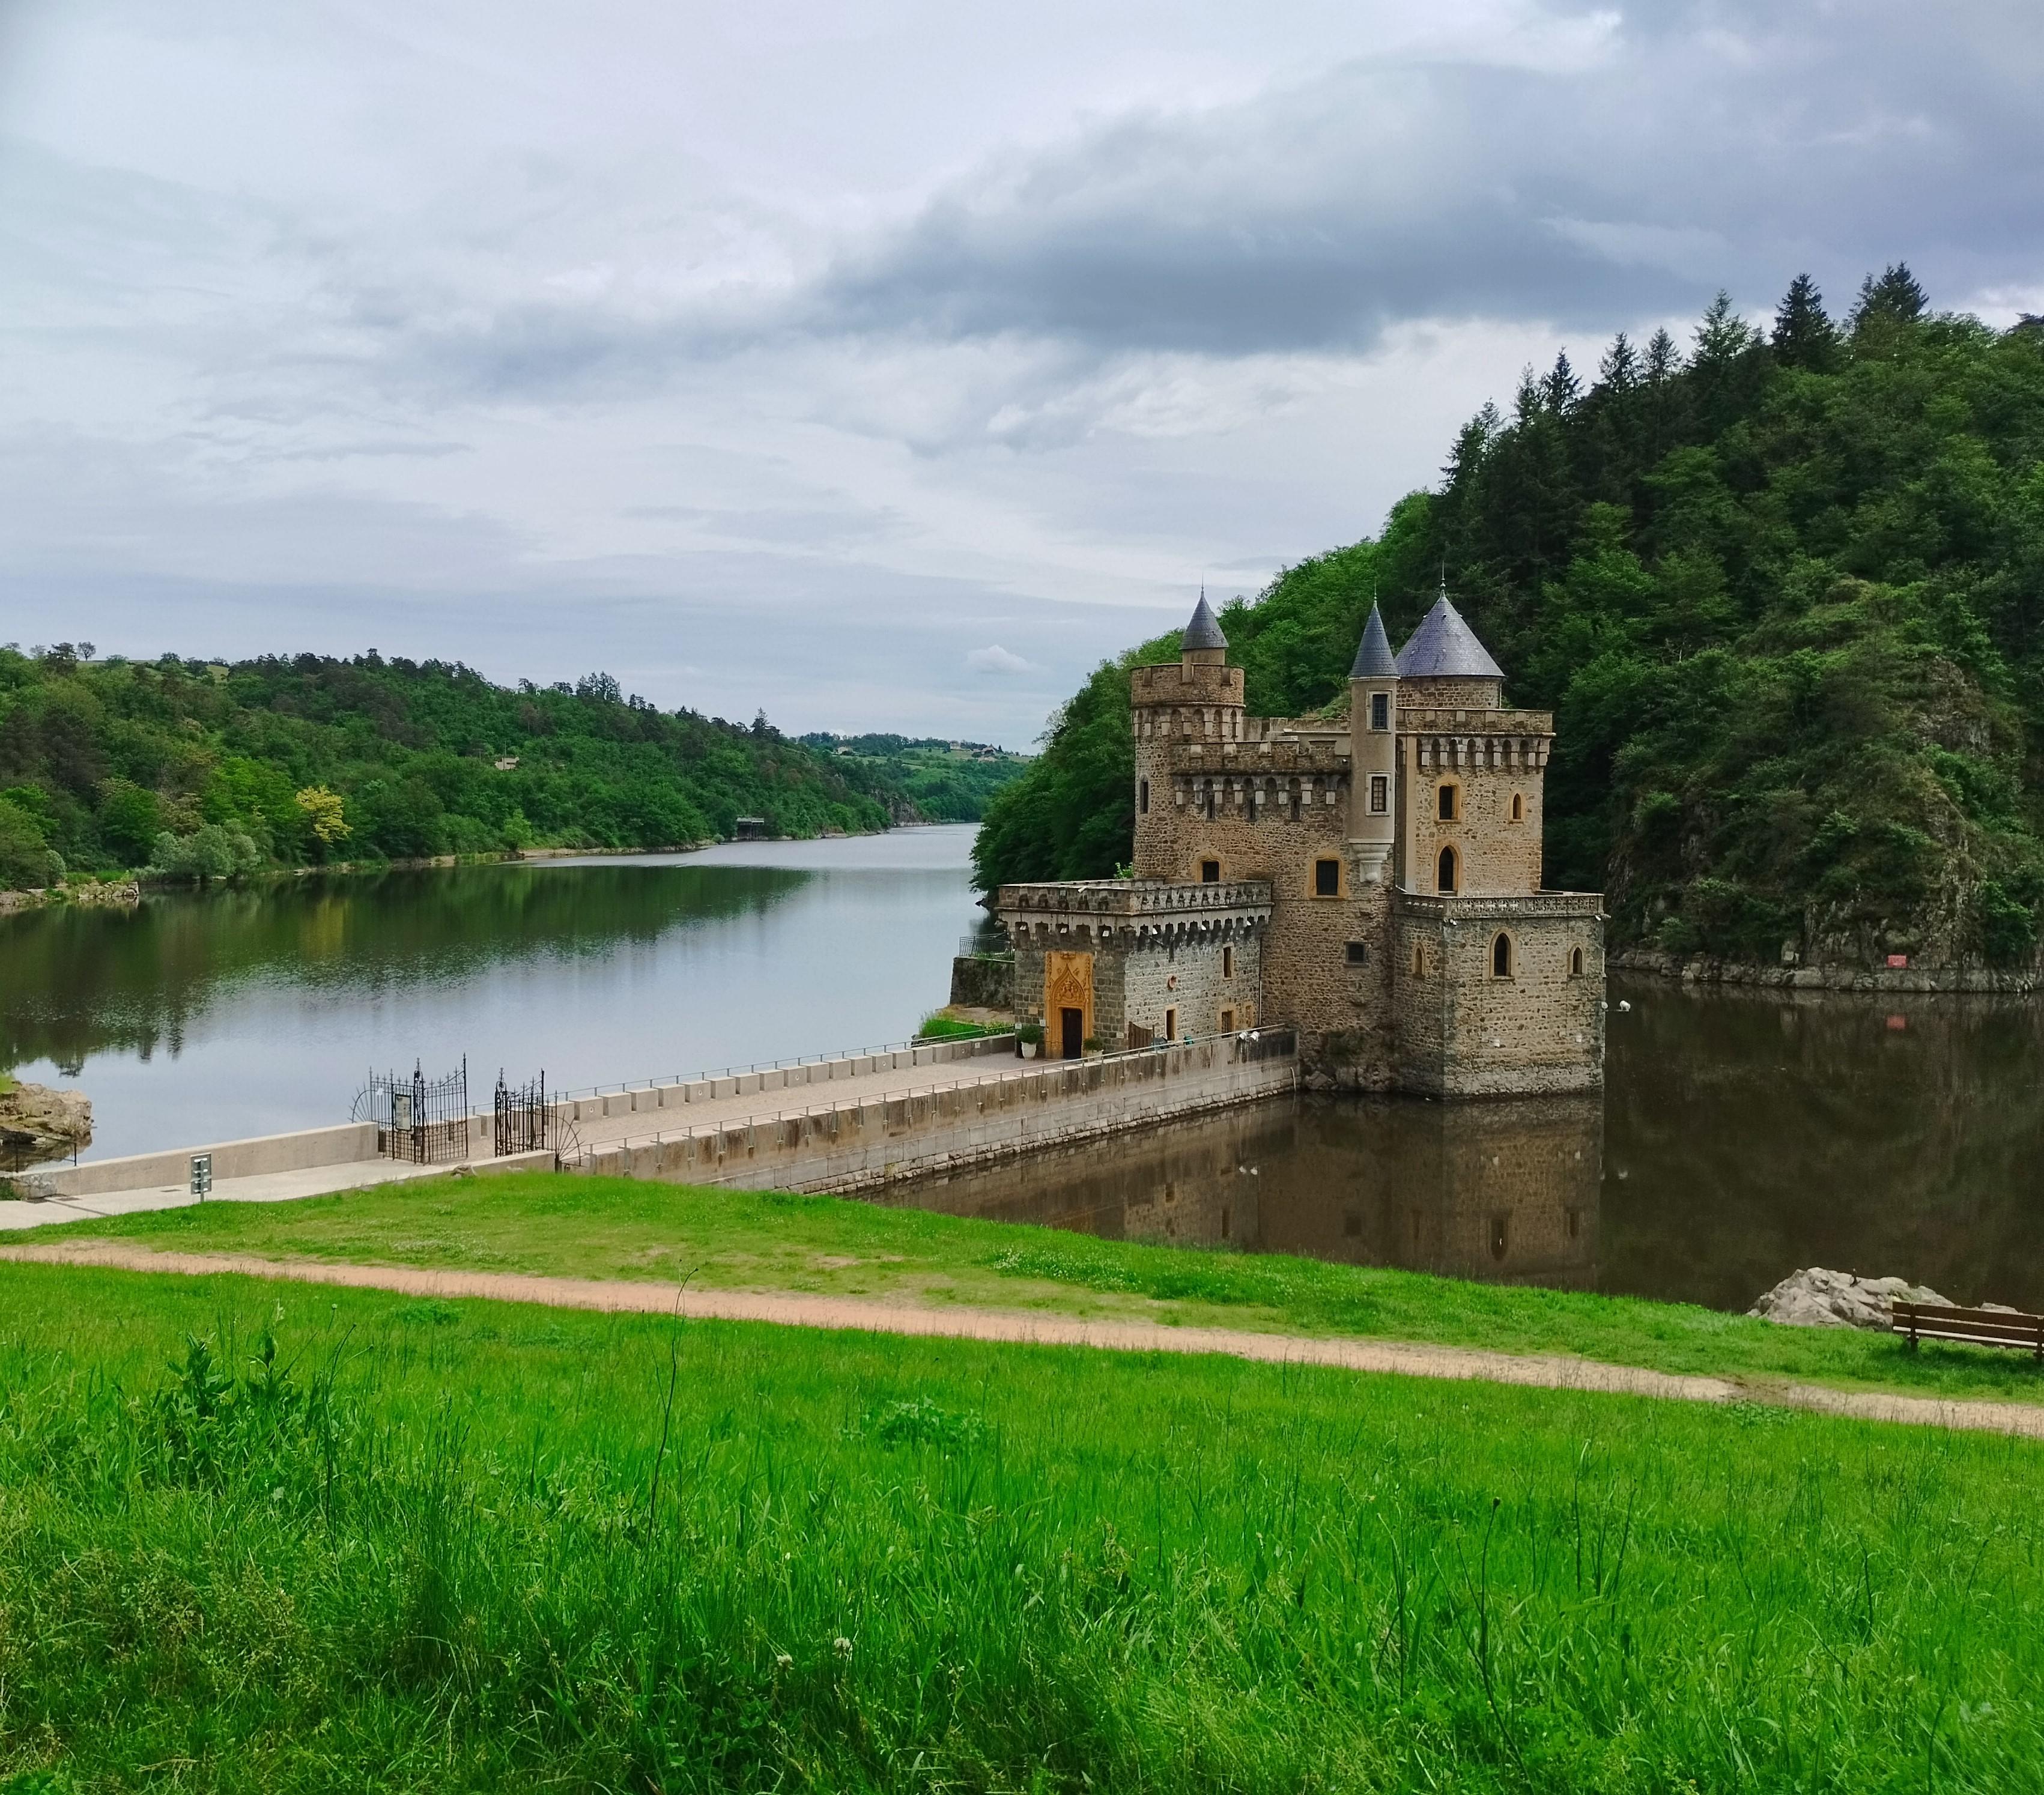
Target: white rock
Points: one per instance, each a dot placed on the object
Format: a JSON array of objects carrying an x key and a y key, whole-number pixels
[{"x": 1818, "y": 1298}]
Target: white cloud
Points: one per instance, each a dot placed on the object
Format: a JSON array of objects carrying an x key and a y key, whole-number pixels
[
  {"x": 995, "y": 659},
  {"x": 779, "y": 354}
]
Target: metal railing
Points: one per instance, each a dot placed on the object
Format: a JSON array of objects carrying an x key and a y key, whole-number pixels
[{"x": 764, "y": 1066}]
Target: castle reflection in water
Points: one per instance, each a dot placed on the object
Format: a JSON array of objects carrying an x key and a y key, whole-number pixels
[{"x": 1505, "y": 1191}]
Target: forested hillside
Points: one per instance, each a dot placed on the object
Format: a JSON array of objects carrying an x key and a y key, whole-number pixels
[
  {"x": 943, "y": 782},
  {"x": 1784, "y": 591},
  {"x": 205, "y": 768}
]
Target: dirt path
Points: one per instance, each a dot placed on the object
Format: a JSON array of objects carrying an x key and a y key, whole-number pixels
[{"x": 792, "y": 1308}]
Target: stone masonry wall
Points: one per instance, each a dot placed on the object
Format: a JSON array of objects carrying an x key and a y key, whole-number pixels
[
  {"x": 1497, "y": 856},
  {"x": 1464, "y": 1032}
]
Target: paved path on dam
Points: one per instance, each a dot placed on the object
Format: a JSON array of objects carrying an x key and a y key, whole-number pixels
[
  {"x": 793, "y": 1310},
  {"x": 703, "y": 1113}
]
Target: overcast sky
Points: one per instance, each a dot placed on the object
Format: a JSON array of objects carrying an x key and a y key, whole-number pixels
[{"x": 884, "y": 364}]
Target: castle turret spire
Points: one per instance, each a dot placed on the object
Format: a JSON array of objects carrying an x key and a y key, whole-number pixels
[{"x": 1204, "y": 630}]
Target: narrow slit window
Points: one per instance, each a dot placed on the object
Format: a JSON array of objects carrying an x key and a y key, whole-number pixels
[
  {"x": 1518, "y": 807},
  {"x": 1575, "y": 962},
  {"x": 1447, "y": 804},
  {"x": 1227, "y": 962},
  {"x": 1446, "y": 870},
  {"x": 1501, "y": 958},
  {"x": 1143, "y": 797}
]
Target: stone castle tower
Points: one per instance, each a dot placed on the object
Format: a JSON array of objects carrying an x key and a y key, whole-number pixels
[{"x": 1372, "y": 883}]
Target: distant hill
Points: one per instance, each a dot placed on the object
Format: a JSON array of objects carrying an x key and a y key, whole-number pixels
[
  {"x": 944, "y": 781},
  {"x": 199, "y": 767},
  {"x": 1784, "y": 592}
]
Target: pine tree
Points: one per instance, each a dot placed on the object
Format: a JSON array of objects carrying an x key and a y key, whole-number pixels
[
  {"x": 1664, "y": 360},
  {"x": 1804, "y": 336},
  {"x": 1723, "y": 335},
  {"x": 1526, "y": 401},
  {"x": 1896, "y": 298},
  {"x": 1561, "y": 389},
  {"x": 1619, "y": 369}
]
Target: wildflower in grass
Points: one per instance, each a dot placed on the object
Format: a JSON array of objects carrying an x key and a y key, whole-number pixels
[{"x": 842, "y": 1646}]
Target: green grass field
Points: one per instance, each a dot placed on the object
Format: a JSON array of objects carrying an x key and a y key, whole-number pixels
[
  {"x": 454, "y": 1546},
  {"x": 620, "y": 1228}
]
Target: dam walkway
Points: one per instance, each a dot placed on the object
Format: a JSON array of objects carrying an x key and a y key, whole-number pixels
[{"x": 839, "y": 1123}]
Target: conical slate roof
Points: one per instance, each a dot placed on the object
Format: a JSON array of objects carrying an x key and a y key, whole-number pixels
[
  {"x": 1445, "y": 647},
  {"x": 1204, "y": 630},
  {"x": 1373, "y": 654}
]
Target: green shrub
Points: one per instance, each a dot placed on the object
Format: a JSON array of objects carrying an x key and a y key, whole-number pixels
[{"x": 214, "y": 850}]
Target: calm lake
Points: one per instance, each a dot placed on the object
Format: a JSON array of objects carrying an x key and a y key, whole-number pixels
[{"x": 1742, "y": 1135}]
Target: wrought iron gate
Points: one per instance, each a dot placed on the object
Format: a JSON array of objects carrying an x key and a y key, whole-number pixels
[
  {"x": 525, "y": 1123},
  {"x": 424, "y": 1121}
]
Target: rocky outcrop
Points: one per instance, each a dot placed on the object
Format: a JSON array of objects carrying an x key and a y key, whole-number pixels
[
  {"x": 1818, "y": 1298},
  {"x": 38, "y": 1123}
]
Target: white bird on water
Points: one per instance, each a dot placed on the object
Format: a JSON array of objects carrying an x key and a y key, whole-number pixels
[{"x": 1623, "y": 1006}]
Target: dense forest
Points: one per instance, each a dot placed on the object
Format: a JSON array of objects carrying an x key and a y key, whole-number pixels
[
  {"x": 944, "y": 781},
  {"x": 1783, "y": 589},
  {"x": 192, "y": 768}
]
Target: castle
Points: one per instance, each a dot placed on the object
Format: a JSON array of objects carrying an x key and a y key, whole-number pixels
[{"x": 1372, "y": 883}]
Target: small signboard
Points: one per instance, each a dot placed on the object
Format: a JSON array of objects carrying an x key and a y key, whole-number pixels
[
  {"x": 1898, "y": 960},
  {"x": 201, "y": 1174}
]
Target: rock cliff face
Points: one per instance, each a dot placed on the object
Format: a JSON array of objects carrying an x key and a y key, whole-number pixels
[
  {"x": 38, "y": 1123},
  {"x": 1818, "y": 1298}
]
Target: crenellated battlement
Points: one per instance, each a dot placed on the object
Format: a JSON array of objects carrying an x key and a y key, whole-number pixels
[{"x": 1239, "y": 760}]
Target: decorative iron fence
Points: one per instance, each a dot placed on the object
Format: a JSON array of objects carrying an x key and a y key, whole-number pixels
[
  {"x": 423, "y": 1120},
  {"x": 525, "y": 1122}
]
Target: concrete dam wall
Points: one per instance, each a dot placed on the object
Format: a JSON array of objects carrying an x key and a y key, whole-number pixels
[{"x": 840, "y": 1148}]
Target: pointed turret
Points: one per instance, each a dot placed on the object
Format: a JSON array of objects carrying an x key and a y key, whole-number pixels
[
  {"x": 1445, "y": 647},
  {"x": 1373, "y": 755},
  {"x": 1373, "y": 655},
  {"x": 1204, "y": 630}
]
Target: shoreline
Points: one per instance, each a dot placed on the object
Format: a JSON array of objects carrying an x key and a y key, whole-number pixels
[
  {"x": 1918, "y": 981},
  {"x": 126, "y": 893}
]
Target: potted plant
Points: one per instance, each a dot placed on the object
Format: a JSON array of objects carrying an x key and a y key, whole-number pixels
[{"x": 1029, "y": 1037}]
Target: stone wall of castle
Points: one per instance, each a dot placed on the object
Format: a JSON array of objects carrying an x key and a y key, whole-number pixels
[{"x": 1464, "y": 1031}]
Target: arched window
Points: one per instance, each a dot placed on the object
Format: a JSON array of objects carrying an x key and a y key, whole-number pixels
[
  {"x": 1501, "y": 958},
  {"x": 1449, "y": 798},
  {"x": 1143, "y": 797},
  {"x": 1418, "y": 962},
  {"x": 1518, "y": 807},
  {"x": 1575, "y": 962},
  {"x": 1447, "y": 879}
]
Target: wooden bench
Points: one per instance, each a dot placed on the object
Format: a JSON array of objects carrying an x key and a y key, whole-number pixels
[{"x": 1975, "y": 1327}]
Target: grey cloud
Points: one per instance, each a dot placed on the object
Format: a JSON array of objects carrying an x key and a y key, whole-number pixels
[{"x": 1707, "y": 144}]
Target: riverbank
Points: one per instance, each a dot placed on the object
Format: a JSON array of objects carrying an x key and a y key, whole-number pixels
[
  {"x": 544, "y": 1225},
  {"x": 129, "y": 890},
  {"x": 1899, "y": 980},
  {"x": 483, "y": 1544}
]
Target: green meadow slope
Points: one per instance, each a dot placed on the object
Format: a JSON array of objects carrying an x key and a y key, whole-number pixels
[{"x": 257, "y": 1537}]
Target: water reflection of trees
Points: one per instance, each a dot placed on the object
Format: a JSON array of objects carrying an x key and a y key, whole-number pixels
[
  {"x": 1500, "y": 1192},
  {"x": 79, "y": 981},
  {"x": 1752, "y": 1134}
]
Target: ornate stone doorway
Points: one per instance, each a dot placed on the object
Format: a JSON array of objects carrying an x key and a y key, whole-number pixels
[{"x": 1068, "y": 1002}]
